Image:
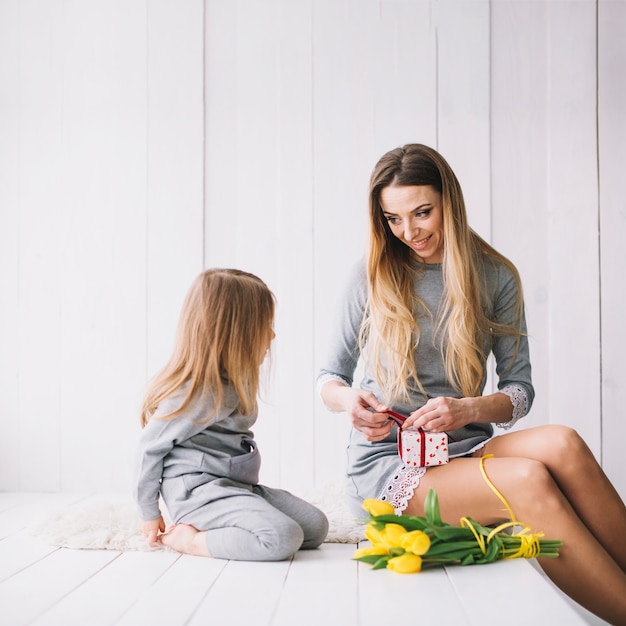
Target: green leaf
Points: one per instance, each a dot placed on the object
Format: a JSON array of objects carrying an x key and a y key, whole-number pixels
[
  {"x": 453, "y": 533},
  {"x": 410, "y": 522},
  {"x": 494, "y": 551},
  {"x": 431, "y": 509},
  {"x": 381, "y": 563},
  {"x": 482, "y": 530},
  {"x": 468, "y": 560},
  {"x": 456, "y": 547},
  {"x": 369, "y": 558}
]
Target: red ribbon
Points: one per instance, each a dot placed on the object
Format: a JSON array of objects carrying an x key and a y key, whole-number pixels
[{"x": 399, "y": 420}]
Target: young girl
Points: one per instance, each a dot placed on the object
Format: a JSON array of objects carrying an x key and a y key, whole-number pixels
[
  {"x": 197, "y": 449},
  {"x": 427, "y": 307}
]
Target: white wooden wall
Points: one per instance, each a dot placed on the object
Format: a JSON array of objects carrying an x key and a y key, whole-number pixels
[{"x": 142, "y": 140}]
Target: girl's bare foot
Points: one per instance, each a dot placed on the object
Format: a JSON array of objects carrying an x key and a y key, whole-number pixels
[{"x": 186, "y": 539}]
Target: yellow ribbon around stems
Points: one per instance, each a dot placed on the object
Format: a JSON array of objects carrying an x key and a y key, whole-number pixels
[{"x": 529, "y": 541}]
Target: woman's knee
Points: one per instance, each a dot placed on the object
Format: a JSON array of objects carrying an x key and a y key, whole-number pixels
[
  {"x": 532, "y": 487},
  {"x": 564, "y": 446}
]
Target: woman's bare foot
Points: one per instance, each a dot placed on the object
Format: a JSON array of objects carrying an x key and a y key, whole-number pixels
[{"x": 186, "y": 539}]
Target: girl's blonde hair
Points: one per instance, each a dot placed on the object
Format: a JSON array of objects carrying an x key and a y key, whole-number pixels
[
  {"x": 390, "y": 329},
  {"x": 224, "y": 329}
]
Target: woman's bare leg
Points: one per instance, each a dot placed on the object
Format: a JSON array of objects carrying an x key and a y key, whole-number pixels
[
  {"x": 584, "y": 570},
  {"x": 578, "y": 475}
]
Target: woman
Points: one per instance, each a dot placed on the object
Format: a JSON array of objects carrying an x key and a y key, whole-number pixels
[{"x": 425, "y": 311}]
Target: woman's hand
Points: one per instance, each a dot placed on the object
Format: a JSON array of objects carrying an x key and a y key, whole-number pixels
[
  {"x": 442, "y": 414},
  {"x": 367, "y": 414},
  {"x": 150, "y": 530}
]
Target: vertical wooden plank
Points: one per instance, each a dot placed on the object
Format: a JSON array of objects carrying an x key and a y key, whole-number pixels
[
  {"x": 572, "y": 219},
  {"x": 101, "y": 224},
  {"x": 518, "y": 168},
  {"x": 612, "y": 156},
  {"x": 293, "y": 397},
  {"x": 463, "y": 87},
  {"x": 175, "y": 153},
  {"x": 220, "y": 116},
  {"x": 42, "y": 189},
  {"x": 9, "y": 249},
  {"x": 403, "y": 76}
]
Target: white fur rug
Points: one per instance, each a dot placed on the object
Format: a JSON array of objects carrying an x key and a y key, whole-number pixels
[{"x": 111, "y": 523}]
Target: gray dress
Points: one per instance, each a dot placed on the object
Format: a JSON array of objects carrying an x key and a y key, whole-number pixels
[
  {"x": 374, "y": 467},
  {"x": 207, "y": 473}
]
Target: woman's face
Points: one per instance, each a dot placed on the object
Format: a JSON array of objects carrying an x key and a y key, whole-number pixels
[{"x": 415, "y": 217}]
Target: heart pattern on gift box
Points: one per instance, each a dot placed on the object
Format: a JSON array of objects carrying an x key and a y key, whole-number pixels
[{"x": 418, "y": 448}]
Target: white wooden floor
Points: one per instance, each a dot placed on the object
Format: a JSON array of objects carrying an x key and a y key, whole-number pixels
[{"x": 45, "y": 585}]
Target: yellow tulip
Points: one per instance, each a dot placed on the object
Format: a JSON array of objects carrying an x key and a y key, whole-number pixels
[
  {"x": 373, "y": 550},
  {"x": 405, "y": 564},
  {"x": 378, "y": 507},
  {"x": 374, "y": 535},
  {"x": 392, "y": 535},
  {"x": 416, "y": 541}
]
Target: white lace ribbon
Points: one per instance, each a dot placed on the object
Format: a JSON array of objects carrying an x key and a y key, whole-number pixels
[
  {"x": 400, "y": 487},
  {"x": 519, "y": 400}
]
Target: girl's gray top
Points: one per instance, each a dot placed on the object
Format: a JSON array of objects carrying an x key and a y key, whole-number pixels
[
  {"x": 222, "y": 446},
  {"x": 370, "y": 464}
]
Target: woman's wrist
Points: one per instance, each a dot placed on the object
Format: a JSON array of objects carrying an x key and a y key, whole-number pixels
[
  {"x": 333, "y": 393},
  {"x": 494, "y": 408}
]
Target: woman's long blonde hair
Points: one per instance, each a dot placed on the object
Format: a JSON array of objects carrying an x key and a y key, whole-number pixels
[
  {"x": 390, "y": 332},
  {"x": 225, "y": 326}
]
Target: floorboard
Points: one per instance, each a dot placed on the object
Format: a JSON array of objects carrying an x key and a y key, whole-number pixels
[
  {"x": 321, "y": 588},
  {"x": 42, "y": 585},
  {"x": 245, "y": 593},
  {"x": 431, "y": 595},
  {"x": 106, "y": 596}
]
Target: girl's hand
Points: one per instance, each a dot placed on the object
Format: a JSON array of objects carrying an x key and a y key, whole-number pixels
[
  {"x": 150, "y": 530},
  {"x": 442, "y": 414}
]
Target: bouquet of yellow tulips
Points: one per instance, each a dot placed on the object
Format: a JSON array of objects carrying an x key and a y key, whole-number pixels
[{"x": 407, "y": 544}]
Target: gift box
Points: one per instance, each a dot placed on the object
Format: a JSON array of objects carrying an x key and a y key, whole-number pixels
[
  {"x": 418, "y": 448},
  {"x": 421, "y": 449}
]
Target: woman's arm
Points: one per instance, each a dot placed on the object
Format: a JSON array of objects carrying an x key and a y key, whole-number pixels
[
  {"x": 367, "y": 414},
  {"x": 446, "y": 414},
  {"x": 336, "y": 375},
  {"x": 515, "y": 394}
]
